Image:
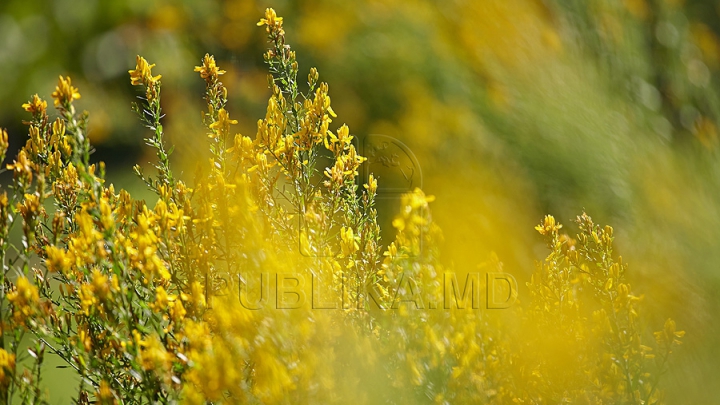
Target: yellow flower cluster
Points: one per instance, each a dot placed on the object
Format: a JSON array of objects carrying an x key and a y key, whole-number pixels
[
  {"x": 138, "y": 298},
  {"x": 548, "y": 227},
  {"x": 64, "y": 94},
  {"x": 7, "y": 366},
  {"x": 582, "y": 297},
  {"x": 209, "y": 70},
  {"x": 142, "y": 76},
  {"x": 36, "y": 105},
  {"x": 271, "y": 19},
  {"x": 24, "y": 299}
]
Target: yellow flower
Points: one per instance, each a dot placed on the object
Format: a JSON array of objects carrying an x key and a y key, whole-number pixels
[
  {"x": 417, "y": 199},
  {"x": 57, "y": 259},
  {"x": 24, "y": 299},
  {"x": 22, "y": 166},
  {"x": 36, "y": 105},
  {"x": 162, "y": 299},
  {"x": 548, "y": 226},
  {"x": 58, "y": 129},
  {"x": 313, "y": 76},
  {"x": 669, "y": 335},
  {"x": 371, "y": 185},
  {"x": 83, "y": 337},
  {"x": 348, "y": 243},
  {"x": 4, "y": 203},
  {"x": 340, "y": 142},
  {"x": 153, "y": 355},
  {"x": 222, "y": 125},
  {"x": 271, "y": 19},
  {"x": 100, "y": 284},
  {"x": 105, "y": 393},
  {"x": 142, "y": 74},
  {"x": 177, "y": 311},
  {"x": 242, "y": 147},
  {"x": 64, "y": 92},
  {"x": 7, "y": 365},
  {"x": 209, "y": 70},
  {"x": 106, "y": 217},
  {"x": 87, "y": 298},
  {"x": 196, "y": 296},
  {"x": 4, "y": 144}
]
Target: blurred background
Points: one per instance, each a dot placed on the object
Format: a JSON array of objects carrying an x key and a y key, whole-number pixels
[{"x": 511, "y": 108}]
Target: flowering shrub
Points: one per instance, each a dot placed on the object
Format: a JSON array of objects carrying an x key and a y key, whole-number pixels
[{"x": 134, "y": 298}]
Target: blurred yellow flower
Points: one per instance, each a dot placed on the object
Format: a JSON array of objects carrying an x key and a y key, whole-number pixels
[
  {"x": 105, "y": 394},
  {"x": 349, "y": 244},
  {"x": 24, "y": 298},
  {"x": 87, "y": 298},
  {"x": 7, "y": 365},
  {"x": 57, "y": 259}
]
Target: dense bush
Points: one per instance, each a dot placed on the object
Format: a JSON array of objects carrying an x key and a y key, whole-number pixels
[{"x": 141, "y": 300}]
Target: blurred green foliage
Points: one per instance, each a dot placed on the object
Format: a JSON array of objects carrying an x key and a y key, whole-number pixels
[{"x": 513, "y": 107}]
